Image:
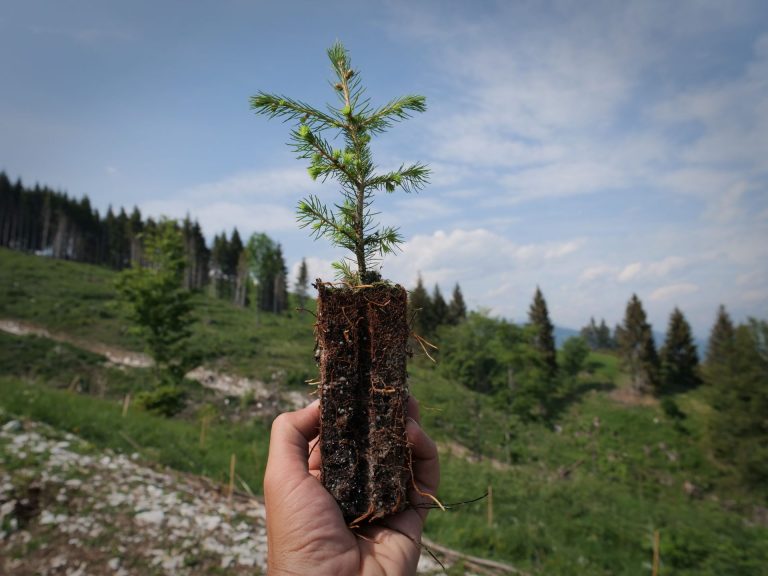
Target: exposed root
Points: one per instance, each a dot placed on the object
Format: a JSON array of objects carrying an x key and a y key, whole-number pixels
[
  {"x": 418, "y": 490},
  {"x": 363, "y": 517},
  {"x": 424, "y": 343}
]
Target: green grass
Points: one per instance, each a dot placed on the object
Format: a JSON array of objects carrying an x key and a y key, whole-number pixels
[
  {"x": 626, "y": 479},
  {"x": 170, "y": 442},
  {"x": 80, "y": 300}
]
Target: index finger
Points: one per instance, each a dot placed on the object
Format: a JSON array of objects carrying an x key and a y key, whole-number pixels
[{"x": 290, "y": 436}]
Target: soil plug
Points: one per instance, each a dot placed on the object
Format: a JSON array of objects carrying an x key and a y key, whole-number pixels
[{"x": 362, "y": 327}]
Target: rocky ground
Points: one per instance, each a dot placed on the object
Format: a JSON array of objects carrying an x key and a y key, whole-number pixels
[{"x": 66, "y": 508}]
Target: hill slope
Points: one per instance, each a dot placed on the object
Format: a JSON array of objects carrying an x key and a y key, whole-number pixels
[{"x": 588, "y": 491}]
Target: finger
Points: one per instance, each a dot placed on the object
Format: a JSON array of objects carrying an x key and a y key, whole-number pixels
[
  {"x": 413, "y": 409},
  {"x": 288, "y": 443},
  {"x": 424, "y": 459},
  {"x": 425, "y": 463},
  {"x": 314, "y": 454}
]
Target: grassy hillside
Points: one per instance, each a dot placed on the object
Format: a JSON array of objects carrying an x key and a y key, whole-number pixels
[
  {"x": 583, "y": 494},
  {"x": 79, "y": 300}
]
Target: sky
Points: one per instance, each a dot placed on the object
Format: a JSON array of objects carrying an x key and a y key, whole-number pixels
[{"x": 595, "y": 149}]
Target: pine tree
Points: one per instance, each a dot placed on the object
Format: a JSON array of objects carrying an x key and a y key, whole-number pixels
[
  {"x": 637, "y": 348},
  {"x": 302, "y": 283},
  {"x": 679, "y": 358},
  {"x": 457, "y": 309},
  {"x": 544, "y": 333}
]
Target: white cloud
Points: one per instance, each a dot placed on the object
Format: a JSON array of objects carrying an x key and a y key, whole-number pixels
[
  {"x": 316, "y": 268},
  {"x": 218, "y": 216},
  {"x": 596, "y": 272},
  {"x": 249, "y": 201},
  {"x": 564, "y": 179},
  {"x": 666, "y": 293},
  {"x": 657, "y": 269},
  {"x": 277, "y": 185},
  {"x": 447, "y": 257}
]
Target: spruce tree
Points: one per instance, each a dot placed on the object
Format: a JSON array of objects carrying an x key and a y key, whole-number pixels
[
  {"x": 604, "y": 339},
  {"x": 457, "y": 309},
  {"x": 362, "y": 444},
  {"x": 739, "y": 399},
  {"x": 637, "y": 348},
  {"x": 280, "y": 286},
  {"x": 351, "y": 223},
  {"x": 589, "y": 334},
  {"x": 439, "y": 309},
  {"x": 544, "y": 333},
  {"x": 420, "y": 308},
  {"x": 721, "y": 338},
  {"x": 679, "y": 358}
]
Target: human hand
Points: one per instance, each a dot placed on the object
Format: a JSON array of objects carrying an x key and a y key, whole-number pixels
[{"x": 306, "y": 532}]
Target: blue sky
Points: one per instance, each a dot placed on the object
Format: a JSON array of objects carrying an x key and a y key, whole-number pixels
[{"x": 596, "y": 149}]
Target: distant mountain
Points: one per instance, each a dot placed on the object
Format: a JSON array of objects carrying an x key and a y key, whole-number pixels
[{"x": 562, "y": 334}]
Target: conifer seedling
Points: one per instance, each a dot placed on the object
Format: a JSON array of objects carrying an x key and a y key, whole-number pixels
[{"x": 362, "y": 329}]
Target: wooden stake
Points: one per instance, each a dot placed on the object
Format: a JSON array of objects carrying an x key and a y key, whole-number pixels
[
  {"x": 232, "y": 462},
  {"x": 490, "y": 506},
  {"x": 126, "y": 403},
  {"x": 656, "y": 538}
]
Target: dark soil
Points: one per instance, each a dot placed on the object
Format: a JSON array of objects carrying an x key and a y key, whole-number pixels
[{"x": 362, "y": 335}]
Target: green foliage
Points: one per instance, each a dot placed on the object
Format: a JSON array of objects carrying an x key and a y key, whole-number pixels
[
  {"x": 166, "y": 400},
  {"x": 457, "y": 308},
  {"x": 574, "y": 356},
  {"x": 721, "y": 339},
  {"x": 439, "y": 308},
  {"x": 587, "y": 497},
  {"x": 598, "y": 337},
  {"x": 420, "y": 309},
  {"x": 157, "y": 303},
  {"x": 679, "y": 358},
  {"x": 637, "y": 348},
  {"x": 267, "y": 266},
  {"x": 351, "y": 223},
  {"x": 495, "y": 357},
  {"x": 739, "y": 398}
]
